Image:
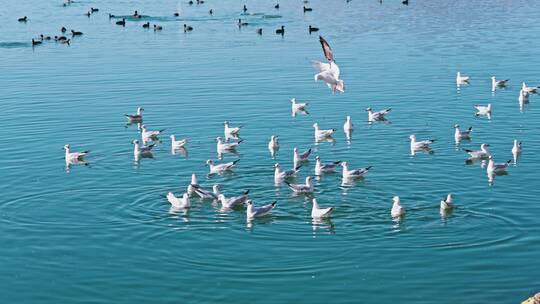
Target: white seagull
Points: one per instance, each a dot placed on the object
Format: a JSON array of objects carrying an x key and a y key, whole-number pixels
[
  {"x": 497, "y": 83},
  {"x": 322, "y": 134},
  {"x": 446, "y": 204},
  {"x": 483, "y": 110},
  {"x": 273, "y": 144},
  {"x": 483, "y": 153},
  {"x": 221, "y": 168},
  {"x": 141, "y": 150},
  {"x": 148, "y": 135},
  {"x": 253, "y": 212},
  {"x": 229, "y": 131},
  {"x": 461, "y": 79},
  {"x": 493, "y": 167},
  {"x": 176, "y": 144},
  {"x": 223, "y": 146},
  {"x": 523, "y": 97},
  {"x": 133, "y": 118},
  {"x": 302, "y": 188},
  {"x": 299, "y": 158},
  {"x": 321, "y": 168},
  {"x": 329, "y": 72},
  {"x": 318, "y": 212},
  {"x": 348, "y": 125},
  {"x": 298, "y": 106},
  {"x": 179, "y": 203},
  {"x": 280, "y": 175},
  {"x": 459, "y": 135},
  {"x": 208, "y": 195},
  {"x": 74, "y": 156},
  {"x": 527, "y": 89},
  {"x": 397, "y": 209},
  {"x": 419, "y": 145},
  {"x": 355, "y": 173},
  {"x": 516, "y": 149},
  {"x": 232, "y": 202},
  {"x": 377, "y": 116}
]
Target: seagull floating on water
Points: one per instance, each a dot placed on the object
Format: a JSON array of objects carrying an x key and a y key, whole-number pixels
[
  {"x": 377, "y": 116},
  {"x": 232, "y": 202},
  {"x": 419, "y": 145},
  {"x": 348, "y": 126},
  {"x": 459, "y": 135},
  {"x": 230, "y": 130},
  {"x": 223, "y": 147},
  {"x": 321, "y": 168},
  {"x": 497, "y": 83},
  {"x": 273, "y": 145},
  {"x": 302, "y": 188},
  {"x": 322, "y": 134},
  {"x": 298, "y": 106},
  {"x": 280, "y": 175},
  {"x": 148, "y": 135},
  {"x": 355, "y": 173},
  {"x": 179, "y": 203},
  {"x": 493, "y": 167},
  {"x": 527, "y": 89},
  {"x": 208, "y": 195},
  {"x": 299, "y": 158},
  {"x": 397, "y": 210},
  {"x": 318, "y": 212},
  {"x": 176, "y": 144},
  {"x": 74, "y": 156},
  {"x": 483, "y": 153},
  {"x": 142, "y": 150},
  {"x": 483, "y": 110},
  {"x": 523, "y": 97},
  {"x": 462, "y": 79},
  {"x": 133, "y": 118},
  {"x": 446, "y": 204},
  {"x": 221, "y": 168},
  {"x": 253, "y": 212}
]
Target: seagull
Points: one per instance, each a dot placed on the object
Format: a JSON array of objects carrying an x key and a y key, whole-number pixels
[
  {"x": 397, "y": 209},
  {"x": 221, "y": 167},
  {"x": 222, "y": 146},
  {"x": 419, "y": 145},
  {"x": 299, "y": 158},
  {"x": 321, "y": 134},
  {"x": 132, "y": 118},
  {"x": 297, "y": 106},
  {"x": 176, "y": 144},
  {"x": 357, "y": 173},
  {"x": 321, "y": 168},
  {"x": 142, "y": 151},
  {"x": 280, "y": 175},
  {"x": 461, "y": 79},
  {"x": 483, "y": 153},
  {"x": 302, "y": 188},
  {"x": 348, "y": 125},
  {"x": 497, "y": 83},
  {"x": 527, "y": 89},
  {"x": 253, "y": 212},
  {"x": 459, "y": 135},
  {"x": 483, "y": 110},
  {"x": 232, "y": 202},
  {"x": 523, "y": 97},
  {"x": 74, "y": 156},
  {"x": 493, "y": 167},
  {"x": 150, "y": 135},
  {"x": 179, "y": 203},
  {"x": 207, "y": 195},
  {"x": 329, "y": 72},
  {"x": 318, "y": 212},
  {"x": 516, "y": 149},
  {"x": 231, "y": 131},
  {"x": 193, "y": 185},
  {"x": 273, "y": 144},
  {"x": 377, "y": 116},
  {"x": 446, "y": 204}
]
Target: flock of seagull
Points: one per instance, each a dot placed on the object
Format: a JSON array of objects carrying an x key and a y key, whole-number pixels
[{"x": 329, "y": 73}]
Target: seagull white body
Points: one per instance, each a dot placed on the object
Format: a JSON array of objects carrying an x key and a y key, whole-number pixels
[
  {"x": 132, "y": 118},
  {"x": 516, "y": 149},
  {"x": 321, "y": 168},
  {"x": 208, "y": 195},
  {"x": 280, "y": 175},
  {"x": 459, "y": 135},
  {"x": 446, "y": 204},
  {"x": 397, "y": 209},
  {"x": 355, "y": 173},
  {"x": 497, "y": 83},
  {"x": 253, "y": 212},
  {"x": 322, "y": 134},
  {"x": 223, "y": 146},
  {"x": 221, "y": 167},
  {"x": 193, "y": 185},
  {"x": 302, "y": 188},
  {"x": 483, "y": 109},
  {"x": 232, "y": 202},
  {"x": 298, "y": 106},
  {"x": 418, "y": 145},
  {"x": 74, "y": 156},
  {"x": 329, "y": 73},
  {"x": 375, "y": 116},
  {"x": 317, "y": 212},
  {"x": 483, "y": 153},
  {"x": 148, "y": 135},
  {"x": 230, "y": 130},
  {"x": 493, "y": 167},
  {"x": 273, "y": 144},
  {"x": 523, "y": 97},
  {"x": 461, "y": 79},
  {"x": 299, "y": 158},
  {"x": 178, "y": 143},
  {"x": 527, "y": 89},
  {"x": 348, "y": 125},
  {"x": 141, "y": 150},
  {"x": 180, "y": 203}
]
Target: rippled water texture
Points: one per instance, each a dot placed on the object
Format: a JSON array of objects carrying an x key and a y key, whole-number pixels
[{"x": 104, "y": 232}]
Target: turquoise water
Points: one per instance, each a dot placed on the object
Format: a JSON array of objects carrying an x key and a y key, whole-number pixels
[{"x": 104, "y": 233}]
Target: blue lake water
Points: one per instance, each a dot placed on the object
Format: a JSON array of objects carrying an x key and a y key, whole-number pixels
[{"x": 103, "y": 233}]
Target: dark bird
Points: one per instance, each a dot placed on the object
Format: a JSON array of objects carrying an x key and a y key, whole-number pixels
[
  {"x": 35, "y": 42},
  {"x": 66, "y": 41},
  {"x": 87, "y": 14},
  {"x": 245, "y": 8},
  {"x": 405, "y": 2},
  {"x": 281, "y": 31},
  {"x": 276, "y": 6},
  {"x": 146, "y": 25},
  {"x": 121, "y": 22},
  {"x": 63, "y": 29},
  {"x": 326, "y": 49},
  {"x": 312, "y": 29},
  {"x": 240, "y": 23},
  {"x": 157, "y": 27},
  {"x": 93, "y": 10},
  {"x": 259, "y": 31},
  {"x": 211, "y": 12},
  {"x": 307, "y": 9},
  {"x": 176, "y": 14},
  {"x": 43, "y": 37},
  {"x": 111, "y": 16},
  {"x": 187, "y": 28},
  {"x": 136, "y": 15},
  {"x": 60, "y": 38},
  {"x": 23, "y": 19},
  {"x": 74, "y": 33},
  {"x": 190, "y": 2},
  {"x": 200, "y": 1}
]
